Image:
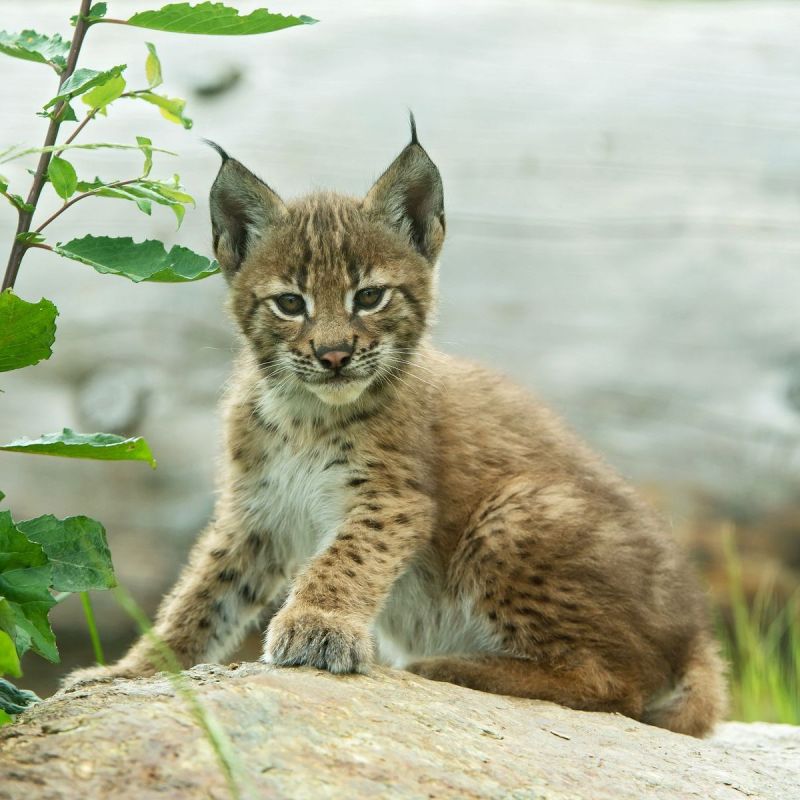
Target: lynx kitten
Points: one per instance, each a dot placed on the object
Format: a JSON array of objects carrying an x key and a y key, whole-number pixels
[{"x": 411, "y": 507}]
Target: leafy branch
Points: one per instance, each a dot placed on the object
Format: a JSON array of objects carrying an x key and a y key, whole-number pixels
[{"x": 26, "y": 214}]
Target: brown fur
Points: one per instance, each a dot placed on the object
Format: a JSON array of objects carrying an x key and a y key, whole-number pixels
[{"x": 434, "y": 506}]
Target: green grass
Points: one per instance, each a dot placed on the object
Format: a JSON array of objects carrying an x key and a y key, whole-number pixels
[{"x": 762, "y": 644}]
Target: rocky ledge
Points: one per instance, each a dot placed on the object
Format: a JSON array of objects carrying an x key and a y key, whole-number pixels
[{"x": 301, "y": 733}]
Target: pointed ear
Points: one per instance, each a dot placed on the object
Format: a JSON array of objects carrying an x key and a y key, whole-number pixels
[
  {"x": 243, "y": 208},
  {"x": 409, "y": 198}
]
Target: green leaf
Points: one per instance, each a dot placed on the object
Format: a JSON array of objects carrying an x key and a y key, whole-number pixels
[
  {"x": 9, "y": 660},
  {"x": 214, "y": 18},
  {"x": 32, "y": 46},
  {"x": 5, "y": 719},
  {"x": 171, "y": 107},
  {"x": 120, "y": 193},
  {"x": 30, "y": 237},
  {"x": 82, "y": 80},
  {"x": 14, "y": 700},
  {"x": 25, "y": 576},
  {"x": 27, "y": 331},
  {"x": 12, "y": 153},
  {"x": 63, "y": 177},
  {"x": 152, "y": 67},
  {"x": 144, "y": 193},
  {"x": 19, "y": 203},
  {"x": 77, "y": 550},
  {"x": 99, "y": 446},
  {"x": 146, "y": 146},
  {"x": 139, "y": 261},
  {"x": 96, "y": 13},
  {"x": 105, "y": 93}
]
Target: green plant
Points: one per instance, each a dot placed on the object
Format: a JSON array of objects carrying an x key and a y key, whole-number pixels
[
  {"x": 43, "y": 560},
  {"x": 762, "y": 645}
]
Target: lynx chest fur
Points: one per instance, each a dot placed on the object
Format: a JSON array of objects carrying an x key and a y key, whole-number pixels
[{"x": 292, "y": 485}]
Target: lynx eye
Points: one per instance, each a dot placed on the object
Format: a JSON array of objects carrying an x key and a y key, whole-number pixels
[
  {"x": 368, "y": 298},
  {"x": 291, "y": 304}
]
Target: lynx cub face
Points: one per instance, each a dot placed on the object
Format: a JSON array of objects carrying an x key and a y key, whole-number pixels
[
  {"x": 413, "y": 508},
  {"x": 332, "y": 293}
]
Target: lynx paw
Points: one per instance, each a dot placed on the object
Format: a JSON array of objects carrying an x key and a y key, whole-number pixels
[
  {"x": 318, "y": 639},
  {"x": 79, "y": 678}
]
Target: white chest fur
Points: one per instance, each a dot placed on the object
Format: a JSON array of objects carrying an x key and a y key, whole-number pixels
[{"x": 296, "y": 493}]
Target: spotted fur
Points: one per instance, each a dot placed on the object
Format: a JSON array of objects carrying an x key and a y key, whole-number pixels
[{"x": 410, "y": 505}]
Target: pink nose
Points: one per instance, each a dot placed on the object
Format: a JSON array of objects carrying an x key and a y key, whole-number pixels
[{"x": 333, "y": 359}]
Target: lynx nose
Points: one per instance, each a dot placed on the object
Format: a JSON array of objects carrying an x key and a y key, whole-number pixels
[{"x": 334, "y": 357}]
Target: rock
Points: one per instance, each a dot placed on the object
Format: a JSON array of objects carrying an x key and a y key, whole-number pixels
[{"x": 301, "y": 733}]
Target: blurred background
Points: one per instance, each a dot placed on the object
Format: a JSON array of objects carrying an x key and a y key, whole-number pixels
[{"x": 622, "y": 184}]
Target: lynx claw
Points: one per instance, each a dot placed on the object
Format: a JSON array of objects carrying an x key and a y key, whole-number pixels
[{"x": 318, "y": 639}]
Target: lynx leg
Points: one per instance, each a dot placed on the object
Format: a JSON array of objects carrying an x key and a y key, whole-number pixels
[
  {"x": 569, "y": 627},
  {"x": 230, "y": 579},
  {"x": 588, "y": 687}
]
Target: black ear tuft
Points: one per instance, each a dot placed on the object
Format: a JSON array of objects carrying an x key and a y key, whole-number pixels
[
  {"x": 243, "y": 209},
  {"x": 413, "y": 124},
  {"x": 220, "y": 152},
  {"x": 409, "y": 198}
]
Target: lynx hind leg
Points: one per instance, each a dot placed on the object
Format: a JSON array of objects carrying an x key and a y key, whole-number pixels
[
  {"x": 561, "y": 632},
  {"x": 587, "y": 687}
]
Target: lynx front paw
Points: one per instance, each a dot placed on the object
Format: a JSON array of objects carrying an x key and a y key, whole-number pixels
[{"x": 318, "y": 639}]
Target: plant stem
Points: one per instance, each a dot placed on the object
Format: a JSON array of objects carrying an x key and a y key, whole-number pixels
[
  {"x": 25, "y": 217},
  {"x": 82, "y": 196},
  {"x": 88, "y": 612},
  {"x": 83, "y": 123}
]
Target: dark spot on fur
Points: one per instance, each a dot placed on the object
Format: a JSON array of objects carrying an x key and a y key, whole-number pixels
[
  {"x": 350, "y": 573},
  {"x": 536, "y": 580},
  {"x": 227, "y": 575},
  {"x": 402, "y": 519},
  {"x": 247, "y": 593},
  {"x": 356, "y": 481},
  {"x": 336, "y": 462},
  {"x": 204, "y": 623},
  {"x": 220, "y": 552},
  {"x": 381, "y": 546},
  {"x": 354, "y": 556},
  {"x": 375, "y": 524}
]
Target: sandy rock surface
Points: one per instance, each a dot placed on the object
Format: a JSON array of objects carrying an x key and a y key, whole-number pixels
[{"x": 301, "y": 733}]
